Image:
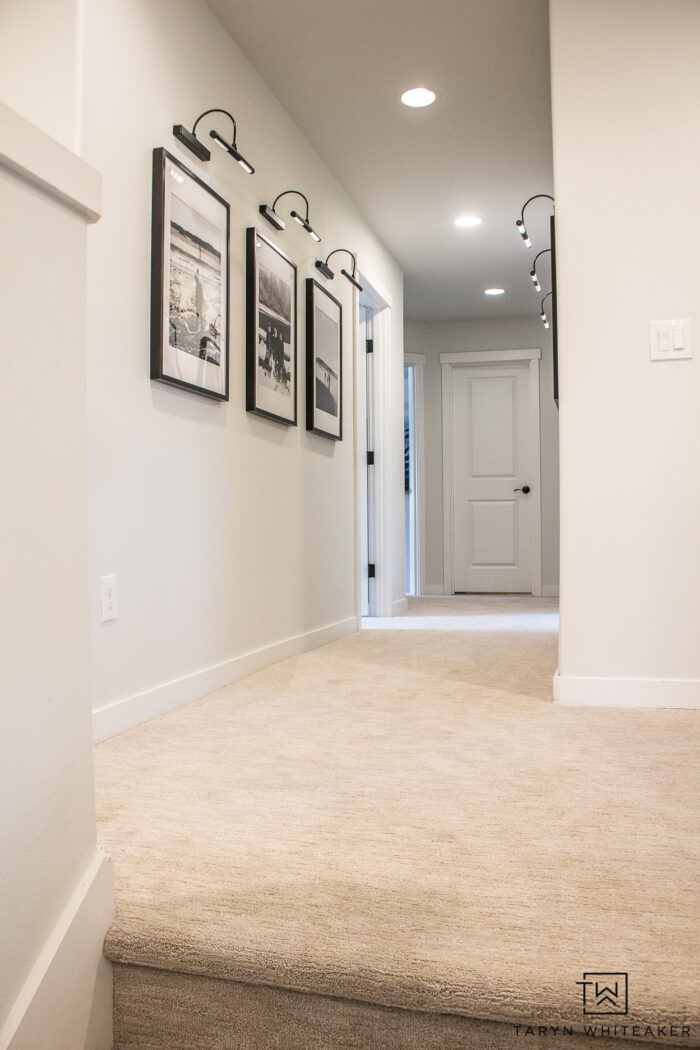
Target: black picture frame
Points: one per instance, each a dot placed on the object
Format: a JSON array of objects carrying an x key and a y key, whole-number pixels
[
  {"x": 555, "y": 327},
  {"x": 324, "y": 362},
  {"x": 271, "y": 330},
  {"x": 190, "y": 231}
]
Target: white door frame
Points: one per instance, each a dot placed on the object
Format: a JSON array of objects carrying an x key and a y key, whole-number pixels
[
  {"x": 481, "y": 357},
  {"x": 417, "y": 361},
  {"x": 380, "y": 303}
]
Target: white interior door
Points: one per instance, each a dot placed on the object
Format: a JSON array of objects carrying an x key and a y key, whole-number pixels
[{"x": 491, "y": 454}]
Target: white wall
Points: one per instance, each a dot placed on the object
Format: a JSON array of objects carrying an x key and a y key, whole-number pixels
[
  {"x": 228, "y": 533},
  {"x": 625, "y": 89},
  {"x": 41, "y": 64},
  {"x": 449, "y": 337},
  {"x": 56, "y": 897}
]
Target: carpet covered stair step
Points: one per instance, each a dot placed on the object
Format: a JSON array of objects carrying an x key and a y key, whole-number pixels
[{"x": 396, "y": 842}]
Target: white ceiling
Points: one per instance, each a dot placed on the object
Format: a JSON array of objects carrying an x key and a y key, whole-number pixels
[{"x": 339, "y": 66}]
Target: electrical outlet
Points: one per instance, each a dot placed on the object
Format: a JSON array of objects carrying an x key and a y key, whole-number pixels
[{"x": 109, "y": 598}]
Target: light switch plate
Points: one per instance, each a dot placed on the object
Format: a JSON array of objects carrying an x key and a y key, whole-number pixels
[{"x": 670, "y": 340}]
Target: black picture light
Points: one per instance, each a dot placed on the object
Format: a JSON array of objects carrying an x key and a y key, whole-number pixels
[
  {"x": 190, "y": 140},
  {"x": 520, "y": 223},
  {"x": 543, "y": 312},
  {"x": 268, "y": 212},
  {"x": 325, "y": 269},
  {"x": 533, "y": 272}
]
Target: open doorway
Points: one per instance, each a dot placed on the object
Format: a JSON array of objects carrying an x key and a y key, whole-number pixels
[
  {"x": 413, "y": 462},
  {"x": 409, "y": 473},
  {"x": 365, "y": 446},
  {"x": 374, "y": 468}
]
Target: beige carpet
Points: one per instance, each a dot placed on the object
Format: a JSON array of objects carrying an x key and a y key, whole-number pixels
[{"x": 403, "y": 819}]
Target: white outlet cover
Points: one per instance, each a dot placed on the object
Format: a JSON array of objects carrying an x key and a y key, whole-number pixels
[{"x": 108, "y": 598}]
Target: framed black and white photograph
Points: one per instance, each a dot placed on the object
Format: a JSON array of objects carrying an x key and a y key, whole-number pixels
[
  {"x": 324, "y": 362},
  {"x": 189, "y": 280},
  {"x": 271, "y": 330}
]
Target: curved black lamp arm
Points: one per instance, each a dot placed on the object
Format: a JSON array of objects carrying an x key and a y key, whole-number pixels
[
  {"x": 543, "y": 252},
  {"x": 226, "y": 113},
  {"x": 347, "y": 252},
  {"x": 299, "y": 194},
  {"x": 542, "y": 303},
  {"x": 535, "y": 197}
]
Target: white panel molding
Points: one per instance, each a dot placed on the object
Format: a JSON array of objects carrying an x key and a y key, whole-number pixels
[
  {"x": 550, "y": 590},
  {"x": 399, "y": 606},
  {"x": 66, "y": 1001},
  {"x": 131, "y": 711},
  {"x": 476, "y": 357},
  {"x": 572, "y": 691},
  {"x": 37, "y": 158}
]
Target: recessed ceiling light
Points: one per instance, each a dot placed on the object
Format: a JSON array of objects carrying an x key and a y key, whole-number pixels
[
  {"x": 468, "y": 220},
  {"x": 418, "y": 97},
  {"x": 494, "y": 291}
]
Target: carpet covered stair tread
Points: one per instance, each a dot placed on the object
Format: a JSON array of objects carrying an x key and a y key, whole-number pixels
[{"x": 379, "y": 822}]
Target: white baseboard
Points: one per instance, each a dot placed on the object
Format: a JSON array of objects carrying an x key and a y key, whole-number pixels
[
  {"x": 550, "y": 590},
  {"x": 66, "y": 1001},
  {"x": 432, "y": 589},
  {"x": 131, "y": 711},
  {"x": 627, "y": 692},
  {"x": 399, "y": 606}
]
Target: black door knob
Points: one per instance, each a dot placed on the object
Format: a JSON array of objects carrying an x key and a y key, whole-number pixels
[{"x": 525, "y": 489}]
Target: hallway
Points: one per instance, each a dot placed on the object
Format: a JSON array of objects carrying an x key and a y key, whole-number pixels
[
  {"x": 404, "y": 834},
  {"x": 400, "y": 819},
  {"x": 521, "y": 613}
]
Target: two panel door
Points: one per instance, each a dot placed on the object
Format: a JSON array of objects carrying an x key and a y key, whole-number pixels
[{"x": 492, "y": 525}]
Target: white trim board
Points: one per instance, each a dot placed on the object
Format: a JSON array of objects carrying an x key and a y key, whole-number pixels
[
  {"x": 574, "y": 691},
  {"x": 67, "y": 998},
  {"x": 487, "y": 357},
  {"x": 37, "y": 158},
  {"x": 448, "y": 363},
  {"x": 131, "y": 711}
]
